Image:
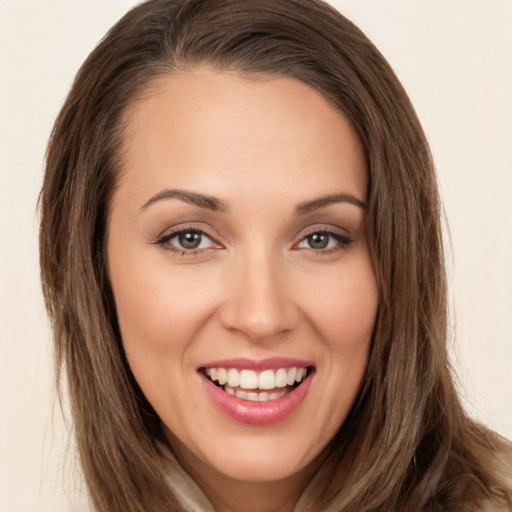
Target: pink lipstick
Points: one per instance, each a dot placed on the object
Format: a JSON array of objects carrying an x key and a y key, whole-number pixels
[{"x": 257, "y": 392}]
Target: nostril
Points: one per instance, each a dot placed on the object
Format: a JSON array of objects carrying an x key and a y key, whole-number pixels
[{"x": 257, "y": 325}]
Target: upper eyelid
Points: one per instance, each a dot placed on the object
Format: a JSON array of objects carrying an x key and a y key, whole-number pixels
[
  {"x": 322, "y": 228},
  {"x": 192, "y": 226}
]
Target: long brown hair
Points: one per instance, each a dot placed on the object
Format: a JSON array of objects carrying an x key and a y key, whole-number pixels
[{"x": 406, "y": 444}]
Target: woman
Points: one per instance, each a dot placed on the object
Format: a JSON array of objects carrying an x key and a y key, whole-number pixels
[{"x": 241, "y": 253}]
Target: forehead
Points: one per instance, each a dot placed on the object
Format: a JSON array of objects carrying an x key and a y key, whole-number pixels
[{"x": 224, "y": 133}]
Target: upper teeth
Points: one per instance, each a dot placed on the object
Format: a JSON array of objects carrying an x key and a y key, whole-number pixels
[{"x": 249, "y": 379}]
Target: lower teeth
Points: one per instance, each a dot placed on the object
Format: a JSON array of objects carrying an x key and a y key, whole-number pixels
[{"x": 254, "y": 396}]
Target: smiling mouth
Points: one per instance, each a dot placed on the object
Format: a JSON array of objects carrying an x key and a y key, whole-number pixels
[{"x": 256, "y": 386}]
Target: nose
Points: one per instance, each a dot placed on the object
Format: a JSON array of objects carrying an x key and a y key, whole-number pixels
[{"x": 259, "y": 299}]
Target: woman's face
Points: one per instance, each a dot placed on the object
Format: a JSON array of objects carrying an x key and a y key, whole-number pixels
[{"x": 237, "y": 250}]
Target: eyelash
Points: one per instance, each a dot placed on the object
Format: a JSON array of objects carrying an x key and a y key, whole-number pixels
[
  {"x": 165, "y": 242},
  {"x": 342, "y": 242}
]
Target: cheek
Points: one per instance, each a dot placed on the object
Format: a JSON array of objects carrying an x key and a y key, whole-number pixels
[
  {"x": 352, "y": 314},
  {"x": 345, "y": 319},
  {"x": 345, "y": 306},
  {"x": 157, "y": 308},
  {"x": 343, "y": 316},
  {"x": 159, "y": 314}
]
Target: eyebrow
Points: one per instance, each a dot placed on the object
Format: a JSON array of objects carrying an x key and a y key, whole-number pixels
[
  {"x": 321, "y": 202},
  {"x": 201, "y": 200},
  {"x": 217, "y": 205}
]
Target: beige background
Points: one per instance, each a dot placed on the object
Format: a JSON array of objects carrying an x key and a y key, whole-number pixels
[{"x": 455, "y": 59}]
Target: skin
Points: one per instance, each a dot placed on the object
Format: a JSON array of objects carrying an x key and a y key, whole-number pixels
[{"x": 255, "y": 287}]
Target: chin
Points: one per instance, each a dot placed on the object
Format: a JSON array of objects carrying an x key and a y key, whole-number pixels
[{"x": 270, "y": 457}]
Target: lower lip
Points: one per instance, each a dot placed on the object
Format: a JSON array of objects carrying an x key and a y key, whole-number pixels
[{"x": 258, "y": 413}]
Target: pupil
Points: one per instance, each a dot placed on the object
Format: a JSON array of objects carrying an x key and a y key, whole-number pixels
[
  {"x": 190, "y": 239},
  {"x": 318, "y": 240}
]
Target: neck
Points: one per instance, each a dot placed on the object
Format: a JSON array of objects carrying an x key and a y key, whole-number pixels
[
  {"x": 227, "y": 494},
  {"x": 234, "y": 496}
]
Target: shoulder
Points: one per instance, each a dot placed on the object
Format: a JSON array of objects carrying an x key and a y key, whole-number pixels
[{"x": 503, "y": 474}]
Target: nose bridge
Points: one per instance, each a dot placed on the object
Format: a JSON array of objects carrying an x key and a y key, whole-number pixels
[{"x": 259, "y": 302}]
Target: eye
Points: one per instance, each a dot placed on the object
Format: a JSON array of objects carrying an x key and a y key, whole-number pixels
[
  {"x": 324, "y": 241},
  {"x": 187, "y": 240}
]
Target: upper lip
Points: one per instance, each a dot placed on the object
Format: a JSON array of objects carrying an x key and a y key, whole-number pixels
[{"x": 270, "y": 363}]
